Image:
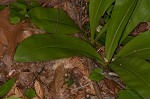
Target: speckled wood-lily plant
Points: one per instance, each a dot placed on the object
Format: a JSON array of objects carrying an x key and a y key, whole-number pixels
[{"x": 131, "y": 62}]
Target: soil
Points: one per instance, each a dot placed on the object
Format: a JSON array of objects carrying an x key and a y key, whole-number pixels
[{"x": 49, "y": 78}]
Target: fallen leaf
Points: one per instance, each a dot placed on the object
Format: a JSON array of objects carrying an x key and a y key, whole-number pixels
[
  {"x": 39, "y": 89},
  {"x": 3, "y": 44},
  {"x": 15, "y": 92},
  {"x": 10, "y": 35},
  {"x": 59, "y": 77},
  {"x": 58, "y": 84},
  {"x": 6, "y": 2}
]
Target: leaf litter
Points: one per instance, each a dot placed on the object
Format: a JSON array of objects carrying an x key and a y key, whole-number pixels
[{"x": 49, "y": 78}]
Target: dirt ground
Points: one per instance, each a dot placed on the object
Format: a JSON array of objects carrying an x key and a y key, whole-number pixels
[{"x": 49, "y": 78}]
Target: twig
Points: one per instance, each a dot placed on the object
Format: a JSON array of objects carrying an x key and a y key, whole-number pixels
[
  {"x": 82, "y": 87},
  {"x": 97, "y": 90},
  {"x": 38, "y": 73},
  {"x": 95, "y": 84}
]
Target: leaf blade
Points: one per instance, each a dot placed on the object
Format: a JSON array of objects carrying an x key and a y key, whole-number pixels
[
  {"x": 142, "y": 10},
  {"x": 137, "y": 47},
  {"x": 128, "y": 94},
  {"x": 133, "y": 71},
  {"x": 96, "y": 11},
  {"x": 46, "y": 18},
  {"x": 30, "y": 93},
  {"x": 124, "y": 9},
  {"x": 7, "y": 86},
  {"x": 49, "y": 46},
  {"x": 96, "y": 74}
]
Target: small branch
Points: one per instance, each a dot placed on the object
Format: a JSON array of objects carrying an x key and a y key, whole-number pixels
[
  {"x": 97, "y": 90},
  {"x": 95, "y": 84},
  {"x": 82, "y": 87},
  {"x": 37, "y": 75}
]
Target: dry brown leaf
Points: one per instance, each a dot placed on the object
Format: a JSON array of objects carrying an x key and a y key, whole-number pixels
[
  {"x": 148, "y": 27},
  {"x": 6, "y": 2},
  {"x": 141, "y": 27},
  {"x": 77, "y": 63},
  {"x": 19, "y": 94},
  {"x": 11, "y": 35},
  {"x": 66, "y": 61},
  {"x": 58, "y": 84},
  {"x": 39, "y": 89},
  {"x": 36, "y": 97},
  {"x": 15, "y": 92},
  {"x": 12, "y": 91},
  {"x": 59, "y": 78},
  {"x": 3, "y": 43},
  {"x": 70, "y": 9}
]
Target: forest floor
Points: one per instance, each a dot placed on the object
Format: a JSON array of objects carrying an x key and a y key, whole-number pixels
[{"x": 51, "y": 79}]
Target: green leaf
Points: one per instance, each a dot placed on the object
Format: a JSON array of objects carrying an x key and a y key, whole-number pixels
[
  {"x": 17, "y": 6},
  {"x": 119, "y": 18},
  {"x": 127, "y": 39},
  {"x": 7, "y": 86},
  {"x": 12, "y": 98},
  {"x": 97, "y": 9},
  {"x": 30, "y": 93},
  {"x": 134, "y": 72},
  {"x": 137, "y": 47},
  {"x": 128, "y": 94},
  {"x": 69, "y": 82},
  {"x": 2, "y": 7},
  {"x": 14, "y": 20},
  {"x": 96, "y": 74},
  {"x": 44, "y": 47},
  {"x": 109, "y": 10},
  {"x": 140, "y": 14},
  {"x": 17, "y": 11},
  {"x": 53, "y": 20}
]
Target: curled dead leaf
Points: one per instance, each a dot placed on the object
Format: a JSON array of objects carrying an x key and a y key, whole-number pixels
[
  {"x": 39, "y": 89},
  {"x": 10, "y": 35},
  {"x": 15, "y": 92}
]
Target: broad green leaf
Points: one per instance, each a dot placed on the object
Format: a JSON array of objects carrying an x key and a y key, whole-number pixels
[
  {"x": 12, "y": 98},
  {"x": 128, "y": 94},
  {"x": 119, "y": 18},
  {"x": 140, "y": 14},
  {"x": 97, "y": 9},
  {"x": 30, "y": 93},
  {"x": 96, "y": 74},
  {"x": 137, "y": 47},
  {"x": 134, "y": 72},
  {"x": 53, "y": 20},
  {"x": 6, "y": 86},
  {"x": 44, "y": 47}
]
